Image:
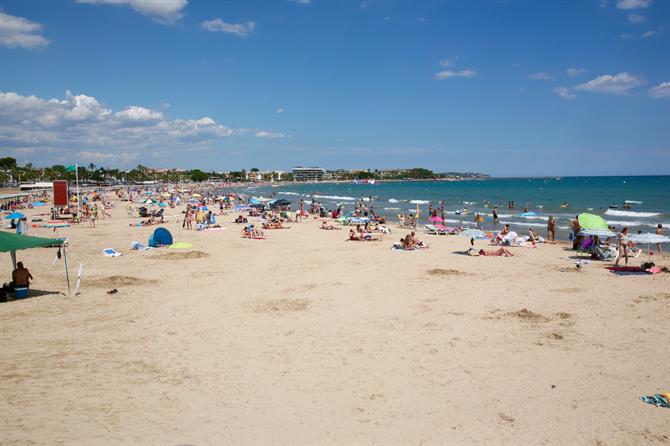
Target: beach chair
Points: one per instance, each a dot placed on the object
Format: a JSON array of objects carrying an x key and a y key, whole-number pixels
[
  {"x": 586, "y": 246},
  {"x": 434, "y": 229}
]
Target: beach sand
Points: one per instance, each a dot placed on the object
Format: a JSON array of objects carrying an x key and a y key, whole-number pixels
[{"x": 305, "y": 338}]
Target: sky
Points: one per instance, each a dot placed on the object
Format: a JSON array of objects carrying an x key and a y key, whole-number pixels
[{"x": 504, "y": 87}]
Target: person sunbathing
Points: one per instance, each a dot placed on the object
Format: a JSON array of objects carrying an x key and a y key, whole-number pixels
[
  {"x": 274, "y": 225},
  {"x": 354, "y": 236},
  {"x": 328, "y": 226},
  {"x": 502, "y": 252}
]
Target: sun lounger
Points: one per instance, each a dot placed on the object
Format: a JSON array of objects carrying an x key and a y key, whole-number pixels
[{"x": 432, "y": 229}]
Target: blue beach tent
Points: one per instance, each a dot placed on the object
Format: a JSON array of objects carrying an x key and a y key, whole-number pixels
[{"x": 160, "y": 237}]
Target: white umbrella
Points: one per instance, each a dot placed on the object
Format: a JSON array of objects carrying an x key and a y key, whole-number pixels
[
  {"x": 602, "y": 233},
  {"x": 648, "y": 238}
]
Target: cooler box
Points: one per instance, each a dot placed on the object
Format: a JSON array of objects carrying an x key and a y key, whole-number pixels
[{"x": 20, "y": 293}]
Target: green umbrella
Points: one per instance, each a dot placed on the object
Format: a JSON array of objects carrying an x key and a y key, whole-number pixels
[{"x": 590, "y": 221}]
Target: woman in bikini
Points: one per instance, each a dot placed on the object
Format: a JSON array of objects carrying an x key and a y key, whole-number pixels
[
  {"x": 622, "y": 244},
  {"x": 551, "y": 229}
]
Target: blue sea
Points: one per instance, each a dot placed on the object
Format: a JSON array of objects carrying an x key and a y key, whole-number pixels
[{"x": 605, "y": 196}]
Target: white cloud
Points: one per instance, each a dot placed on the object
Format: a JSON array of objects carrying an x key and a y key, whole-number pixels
[
  {"x": 20, "y": 32},
  {"x": 124, "y": 158},
  {"x": 81, "y": 124},
  {"x": 626, "y": 36},
  {"x": 565, "y": 93},
  {"x": 269, "y": 135},
  {"x": 136, "y": 113},
  {"x": 387, "y": 19},
  {"x": 637, "y": 18},
  {"x": 236, "y": 29},
  {"x": 301, "y": 2},
  {"x": 541, "y": 76},
  {"x": 448, "y": 62},
  {"x": 165, "y": 11},
  {"x": 632, "y": 4},
  {"x": 446, "y": 74},
  {"x": 661, "y": 90},
  {"x": 619, "y": 84},
  {"x": 279, "y": 110},
  {"x": 574, "y": 72},
  {"x": 650, "y": 34}
]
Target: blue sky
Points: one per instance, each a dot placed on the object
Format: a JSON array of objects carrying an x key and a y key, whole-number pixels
[{"x": 515, "y": 87}]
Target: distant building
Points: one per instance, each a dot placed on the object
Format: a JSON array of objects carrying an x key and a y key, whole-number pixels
[{"x": 308, "y": 173}]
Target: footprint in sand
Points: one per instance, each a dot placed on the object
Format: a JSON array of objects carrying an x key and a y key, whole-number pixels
[
  {"x": 119, "y": 281},
  {"x": 282, "y": 305},
  {"x": 181, "y": 255}
]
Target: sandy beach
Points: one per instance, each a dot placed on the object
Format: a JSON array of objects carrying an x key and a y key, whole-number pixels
[{"x": 305, "y": 338}]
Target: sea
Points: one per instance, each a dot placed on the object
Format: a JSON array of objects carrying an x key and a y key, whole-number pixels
[{"x": 562, "y": 197}]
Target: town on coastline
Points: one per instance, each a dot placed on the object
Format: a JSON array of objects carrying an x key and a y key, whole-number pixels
[{"x": 13, "y": 175}]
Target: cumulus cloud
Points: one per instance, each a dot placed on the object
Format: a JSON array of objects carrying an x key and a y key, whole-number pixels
[
  {"x": 236, "y": 29},
  {"x": 565, "y": 93},
  {"x": 20, "y": 32},
  {"x": 124, "y": 158},
  {"x": 661, "y": 90},
  {"x": 574, "y": 72},
  {"x": 166, "y": 11},
  {"x": 270, "y": 135},
  {"x": 633, "y": 4},
  {"x": 79, "y": 123},
  {"x": 541, "y": 76},
  {"x": 447, "y": 74},
  {"x": 637, "y": 18},
  {"x": 279, "y": 110},
  {"x": 650, "y": 34},
  {"x": 618, "y": 84}
]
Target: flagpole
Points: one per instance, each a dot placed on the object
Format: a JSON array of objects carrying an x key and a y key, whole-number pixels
[{"x": 76, "y": 175}]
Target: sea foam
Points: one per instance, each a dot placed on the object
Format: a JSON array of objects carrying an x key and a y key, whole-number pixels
[{"x": 618, "y": 213}]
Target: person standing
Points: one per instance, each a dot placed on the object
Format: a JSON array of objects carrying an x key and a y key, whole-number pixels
[
  {"x": 495, "y": 215},
  {"x": 551, "y": 229},
  {"x": 622, "y": 245},
  {"x": 659, "y": 231}
]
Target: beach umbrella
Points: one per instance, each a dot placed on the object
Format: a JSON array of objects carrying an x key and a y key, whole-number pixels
[
  {"x": 435, "y": 219},
  {"x": 602, "y": 233},
  {"x": 196, "y": 195},
  {"x": 590, "y": 221},
  {"x": 279, "y": 203},
  {"x": 648, "y": 238},
  {"x": 165, "y": 194},
  {"x": 14, "y": 216},
  {"x": 161, "y": 204},
  {"x": 472, "y": 233},
  {"x": 39, "y": 204}
]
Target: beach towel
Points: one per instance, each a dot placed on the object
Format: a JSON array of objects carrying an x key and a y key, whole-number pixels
[
  {"x": 628, "y": 270},
  {"x": 137, "y": 246},
  {"x": 180, "y": 245},
  {"x": 110, "y": 252},
  {"x": 658, "y": 400}
]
